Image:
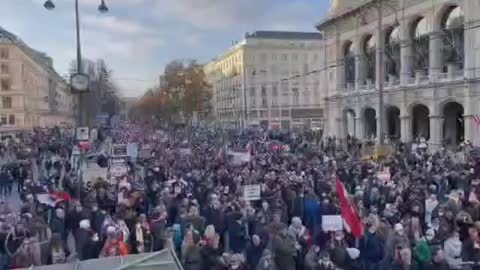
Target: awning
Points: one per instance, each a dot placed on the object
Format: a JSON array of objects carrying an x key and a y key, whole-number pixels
[{"x": 161, "y": 260}]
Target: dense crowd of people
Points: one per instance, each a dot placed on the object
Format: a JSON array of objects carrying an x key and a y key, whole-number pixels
[{"x": 417, "y": 208}]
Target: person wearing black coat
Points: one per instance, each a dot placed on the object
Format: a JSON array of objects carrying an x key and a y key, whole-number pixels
[
  {"x": 215, "y": 217},
  {"x": 57, "y": 224},
  {"x": 87, "y": 243},
  {"x": 237, "y": 233},
  {"x": 254, "y": 251}
]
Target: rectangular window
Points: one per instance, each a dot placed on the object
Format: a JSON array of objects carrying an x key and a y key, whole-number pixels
[
  {"x": 4, "y": 68},
  {"x": 253, "y": 102},
  {"x": 252, "y": 91},
  {"x": 274, "y": 57},
  {"x": 285, "y": 89},
  {"x": 295, "y": 96},
  {"x": 274, "y": 91},
  {"x": 5, "y": 85},
  {"x": 284, "y": 57},
  {"x": 11, "y": 119},
  {"x": 3, "y": 53},
  {"x": 6, "y": 102},
  {"x": 285, "y": 113},
  {"x": 294, "y": 57},
  {"x": 264, "y": 102},
  {"x": 264, "y": 90},
  {"x": 274, "y": 101},
  {"x": 315, "y": 58},
  {"x": 3, "y": 119}
]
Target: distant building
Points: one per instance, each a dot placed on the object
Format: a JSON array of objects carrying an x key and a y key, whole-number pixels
[
  {"x": 32, "y": 93},
  {"x": 270, "y": 79},
  {"x": 431, "y": 70},
  {"x": 126, "y": 104}
]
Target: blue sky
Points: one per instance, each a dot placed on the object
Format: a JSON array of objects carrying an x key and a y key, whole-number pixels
[{"x": 138, "y": 37}]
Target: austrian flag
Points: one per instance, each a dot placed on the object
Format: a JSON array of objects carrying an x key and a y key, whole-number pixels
[{"x": 349, "y": 211}]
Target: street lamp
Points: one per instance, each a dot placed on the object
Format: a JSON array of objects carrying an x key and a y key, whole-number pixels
[
  {"x": 103, "y": 7},
  {"x": 49, "y": 5},
  {"x": 79, "y": 81}
]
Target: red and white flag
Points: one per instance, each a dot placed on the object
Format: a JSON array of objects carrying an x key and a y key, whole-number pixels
[
  {"x": 476, "y": 118},
  {"x": 349, "y": 211}
]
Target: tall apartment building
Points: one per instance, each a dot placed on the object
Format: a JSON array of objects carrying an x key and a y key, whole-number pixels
[
  {"x": 279, "y": 75},
  {"x": 32, "y": 93}
]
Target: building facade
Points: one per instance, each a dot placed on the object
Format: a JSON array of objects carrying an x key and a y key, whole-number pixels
[
  {"x": 32, "y": 93},
  {"x": 427, "y": 51},
  {"x": 270, "y": 79}
]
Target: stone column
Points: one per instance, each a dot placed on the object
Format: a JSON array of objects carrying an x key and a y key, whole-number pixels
[
  {"x": 471, "y": 8},
  {"x": 435, "y": 57},
  {"x": 436, "y": 134},
  {"x": 359, "y": 128},
  {"x": 340, "y": 129},
  {"x": 468, "y": 120},
  {"x": 405, "y": 52},
  {"x": 405, "y": 129},
  {"x": 340, "y": 69},
  {"x": 359, "y": 71}
]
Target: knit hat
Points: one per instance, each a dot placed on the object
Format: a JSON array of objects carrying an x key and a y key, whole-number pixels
[{"x": 85, "y": 224}]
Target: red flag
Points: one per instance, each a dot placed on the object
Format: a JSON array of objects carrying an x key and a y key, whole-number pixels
[{"x": 349, "y": 212}]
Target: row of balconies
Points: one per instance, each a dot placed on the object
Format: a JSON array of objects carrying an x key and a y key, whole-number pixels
[{"x": 420, "y": 78}]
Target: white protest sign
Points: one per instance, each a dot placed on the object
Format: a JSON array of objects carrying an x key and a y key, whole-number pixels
[
  {"x": 118, "y": 170},
  {"x": 251, "y": 192},
  {"x": 45, "y": 199},
  {"x": 185, "y": 151},
  {"x": 239, "y": 158},
  {"x": 332, "y": 223},
  {"x": 384, "y": 175},
  {"x": 83, "y": 134},
  {"x": 119, "y": 150},
  {"x": 132, "y": 150}
]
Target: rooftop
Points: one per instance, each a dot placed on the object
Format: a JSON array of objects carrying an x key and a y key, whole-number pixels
[
  {"x": 40, "y": 57},
  {"x": 285, "y": 35}
]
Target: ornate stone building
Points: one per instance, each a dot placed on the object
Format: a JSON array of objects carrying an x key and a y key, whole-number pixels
[{"x": 428, "y": 52}]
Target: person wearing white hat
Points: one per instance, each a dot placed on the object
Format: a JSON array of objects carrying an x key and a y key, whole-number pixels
[{"x": 86, "y": 243}]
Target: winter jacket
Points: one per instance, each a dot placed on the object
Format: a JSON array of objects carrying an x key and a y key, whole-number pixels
[
  {"x": 192, "y": 259},
  {"x": 58, "y": 226},
  {"x": 372, "y": 247},
  {"x": 216, "y": 218},
  {"x": 284, "y": 252},
  {"x": 237, "y": 234},
  {"x": 254, "y": 254},
  {"x": 453, "y": 251}
]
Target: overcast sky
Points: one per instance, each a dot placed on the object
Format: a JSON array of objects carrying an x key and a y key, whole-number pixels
[{"x": 137, "y": 38}]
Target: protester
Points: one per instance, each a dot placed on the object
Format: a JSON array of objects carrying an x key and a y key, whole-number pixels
[{"x": 186, "y": 194}]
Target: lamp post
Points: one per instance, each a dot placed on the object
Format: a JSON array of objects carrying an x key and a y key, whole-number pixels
[{"x": 79, "y": 81}]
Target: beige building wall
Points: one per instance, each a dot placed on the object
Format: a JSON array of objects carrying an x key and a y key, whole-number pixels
[
  {"x": 275, "y": 77},
  {"x": 26, "y": 77}
]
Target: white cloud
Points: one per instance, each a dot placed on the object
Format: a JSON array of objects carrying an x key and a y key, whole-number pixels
[
  {"x": 113, "y": 24},
  {"x": 238, "y": 15}
]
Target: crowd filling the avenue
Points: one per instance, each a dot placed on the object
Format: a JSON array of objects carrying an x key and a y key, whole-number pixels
[{"x": 230, "y": 199}]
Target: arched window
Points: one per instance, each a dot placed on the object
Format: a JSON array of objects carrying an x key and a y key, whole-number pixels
[
  {"x": 392, "y": 51},
  {"x": 453, "y": 36},
  {"x": 421, "y": 46},
  {"x": 369, "y": 54},
  {"x": 349, "y": 56}
]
